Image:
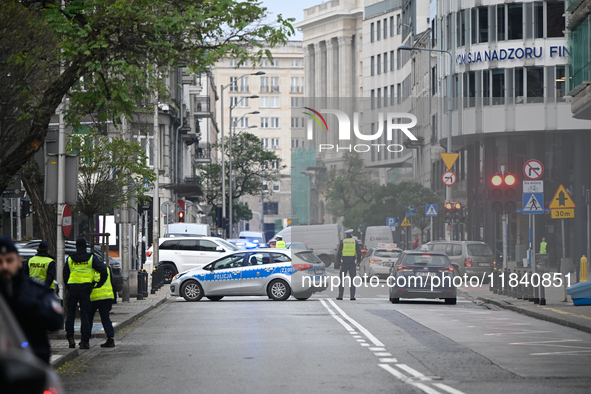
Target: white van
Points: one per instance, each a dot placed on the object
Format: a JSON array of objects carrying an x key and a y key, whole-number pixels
[
  {"x": 323, "y": 239},
  {"x": 252, "y": 236},
  {"x": 375, "y": 235},
  {"x": 187, "y": 230}
]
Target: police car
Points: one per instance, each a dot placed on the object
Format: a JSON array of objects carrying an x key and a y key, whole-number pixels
[
  {"x": 378, "y": 260},
  {"x": 257, "y": 272}
]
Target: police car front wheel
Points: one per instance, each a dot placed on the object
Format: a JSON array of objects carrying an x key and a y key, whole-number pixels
[
  {"x": 278, "y": 290},
  {"x": 191, "y": 291}
]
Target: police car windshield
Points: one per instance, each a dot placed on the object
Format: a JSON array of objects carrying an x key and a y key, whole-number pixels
[
  {"x": 425, "y": 260},
  {"x": 386, "y": 253},
  {"x": 227, "y": 244},
  {"x": 309, "y": 257}
]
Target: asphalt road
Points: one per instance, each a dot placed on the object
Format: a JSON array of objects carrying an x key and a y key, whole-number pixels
[{"x": 255, "y": 345}]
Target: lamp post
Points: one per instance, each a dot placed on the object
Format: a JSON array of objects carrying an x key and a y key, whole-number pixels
[
  {"x": 232, "y": 129},
  {"x": 222, "y": 87},
  {"x": 308, "y": 175},
  {"x": 449, "y": 123}
]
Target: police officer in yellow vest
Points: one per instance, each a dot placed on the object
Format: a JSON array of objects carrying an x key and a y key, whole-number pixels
[
  {"x": 42, "y": 265},
  {"x": 101, "y": 299},
  {"x": 79, "y": 278},
  {"x": 347, "y": 253},
  {"x": 280, "y": 242}
]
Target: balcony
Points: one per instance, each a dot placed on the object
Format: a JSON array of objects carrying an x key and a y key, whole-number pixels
[
  {"x": 201, "y": 107},
  {"x": 296, "y": 89},
  {"x": 202, "y": 153},
  {"x": 264, "y": 89},
  {"x": 274, "y": 89}
]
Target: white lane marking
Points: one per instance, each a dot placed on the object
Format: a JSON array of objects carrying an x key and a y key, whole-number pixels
[
  {"x": 413, "y": 372},
  {"x": 360, "y": 328},
  {"x": 364, "y": 344},
  {"x": 573, "y": 353},
  {"x": 361, "y": 340},
  {"x": 354, "y": 332},
  {"x": 377, "y": 349},
  {"x": 388, "y": 360},
  {"x": 445, "y": 387},
  {"x": 542, "y": 342},
  {"x": 357, "y": 336},
  {"x": 337, "y": 318},
  {"x": 406, "y": 379},
  {"x": 518, "y": 333},
  {"x": 382, "y": 354}
]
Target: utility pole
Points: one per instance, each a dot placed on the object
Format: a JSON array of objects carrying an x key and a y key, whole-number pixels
[
  {"x": 156, "y": 199},
  {"x": 125, "y": 231}
]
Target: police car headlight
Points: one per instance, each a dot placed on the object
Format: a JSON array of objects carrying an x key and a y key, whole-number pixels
[{"x": 179, "y": 275}]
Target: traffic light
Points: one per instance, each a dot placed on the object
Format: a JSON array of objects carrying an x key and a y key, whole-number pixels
[
  {"x": 218, "y": 217},
  {"x": 181, "y": 217},
  {"x": 448, "y": 212},
  {"x": 503, "y": 193},
  {"x": 457, "y": 210},
  {"x": 25, "y": 208}
]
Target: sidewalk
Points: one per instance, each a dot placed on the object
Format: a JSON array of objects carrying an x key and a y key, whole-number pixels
[
  {"x": 122, "y": 315},
  {"x": 555, "y": 310}
]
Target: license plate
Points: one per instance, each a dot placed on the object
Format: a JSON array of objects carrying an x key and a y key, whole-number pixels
[
  {"x": 483, "y": 264},
  {"x": 426, "y": 273},
  {"x": 318, "y": 272}
]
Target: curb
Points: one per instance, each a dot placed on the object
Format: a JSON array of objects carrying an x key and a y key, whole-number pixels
[{"x": 65, "y": 358}]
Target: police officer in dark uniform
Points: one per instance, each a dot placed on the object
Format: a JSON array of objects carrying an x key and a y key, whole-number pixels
[
  {"x": 42, "y": 265},
  {"x": 349, "y": 251},
  {"x": 33, "y": 304},
  {"x": 79, "y": 278}
]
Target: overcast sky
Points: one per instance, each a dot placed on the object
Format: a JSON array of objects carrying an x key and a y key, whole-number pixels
[{"x": 290, "y": 9}]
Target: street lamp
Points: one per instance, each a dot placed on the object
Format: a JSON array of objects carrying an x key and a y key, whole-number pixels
[
  {"x": 232, "y": 129},
  {"x": 308, "y": 175},
  {"x": 449, "y": 124},
  {"x": 222, "y": 87}
]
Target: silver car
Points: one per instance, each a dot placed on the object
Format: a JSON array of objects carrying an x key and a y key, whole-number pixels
[
  {"x": 258, "y": 272},
  {"x": 378, "y": 260},
  {"x": 473, "y": 258}
]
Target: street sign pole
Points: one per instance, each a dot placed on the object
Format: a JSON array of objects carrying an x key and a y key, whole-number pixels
[
  {"x": 431, "y": 230},
  {"x": 533, "y": 238}
]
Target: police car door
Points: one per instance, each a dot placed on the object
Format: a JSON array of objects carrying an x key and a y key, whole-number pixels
[
  {"x": 225, "y": 277},
  {"x": 256, "y": 274}
]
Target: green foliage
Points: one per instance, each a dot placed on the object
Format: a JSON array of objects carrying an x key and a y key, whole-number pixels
[
  {"x": 105, "y": 166},
  {"x": 252, "y": 170}
]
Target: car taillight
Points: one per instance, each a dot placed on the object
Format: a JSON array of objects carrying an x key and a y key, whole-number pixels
[
  {"x": 148, "y": 254},
  {"x": 403, "y": 268},
  {"x": 373, "y": 261},
  {"x": 468, "y": 263},
  {"x": 303, "y": 267},
  {"x": 450, "y": 269}
]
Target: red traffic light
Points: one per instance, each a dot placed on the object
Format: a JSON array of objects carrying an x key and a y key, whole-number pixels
[
  {"x": 448, "y": 205},
  {"x": 510, "y": 180},
  {"x": 497, "y": 180},
  {"x": 457, "y": 205}
]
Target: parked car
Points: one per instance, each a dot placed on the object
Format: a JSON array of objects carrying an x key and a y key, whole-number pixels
[
  {"x": 258, "y": 272},
  {"x": 473, "y": 258},
  {"x": 378, "y": 260},
  {"x": 187, "y": 230},
  {"x": 180, "y": 254},
  {"x": 253, "y": 236},
  {"x": 375, "y": 235},
  {"x": 422, "y": 275},
  {"x": 323, "y": 239},
  {"x": 21, "y": 370}
]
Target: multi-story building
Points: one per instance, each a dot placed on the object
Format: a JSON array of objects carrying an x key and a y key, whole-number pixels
[{"x": 279, "y": 90}]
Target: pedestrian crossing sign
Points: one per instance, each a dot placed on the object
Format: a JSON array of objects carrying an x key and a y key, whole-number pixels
[
  {"x": 533, "y": 203},
  {"x": 431, "y": 210},
  {"x": 405, "y": 222}
]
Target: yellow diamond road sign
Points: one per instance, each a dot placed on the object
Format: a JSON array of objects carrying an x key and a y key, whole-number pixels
[
  {"x": 561, "y": 199},
  {"x": 449, "y": 159},
  {"x": 405, "y": 222}
]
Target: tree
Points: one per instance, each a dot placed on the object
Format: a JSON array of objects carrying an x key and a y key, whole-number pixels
[
  {"x": 106, "y": 168},
  {"x": 107, "y": 56},
  {"x": 253, "y": 168},
  {"x": 349, "y": 187}
]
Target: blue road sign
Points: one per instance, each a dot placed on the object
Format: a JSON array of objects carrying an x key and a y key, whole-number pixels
[
  {"x": 392, "y": 222},
  {"x": 533, "y": 203},
  {"x": 431, "y": 210}
]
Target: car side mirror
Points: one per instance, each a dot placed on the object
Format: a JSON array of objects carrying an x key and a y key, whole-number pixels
[{"x": 219, "y": 249}]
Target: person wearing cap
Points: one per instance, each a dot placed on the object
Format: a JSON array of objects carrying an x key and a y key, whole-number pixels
[
  {"x": 79, "y": 277},
  {"x": 348, "y": 253},
  {"x": 33, "y": 304},
  {"x": 280, "y": 242},
  {"x": 42, "y": 265}
]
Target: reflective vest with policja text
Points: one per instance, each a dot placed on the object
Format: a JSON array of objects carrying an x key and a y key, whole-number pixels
[
  {"x": 105, "y": 292},
  {"x": 38, "y": 268},
  {"x": 80, "y": 272},
  {"x": 349, "y": 247}
]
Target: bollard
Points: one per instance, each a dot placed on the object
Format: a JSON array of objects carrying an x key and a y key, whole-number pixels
[
  {"x": 140, "y": 293},
  {"x": 145, "y": 283},
  {"x": 511, "y": 290},
  {"x": 153, "y": 290},
  {"x": 503, "y": 285},
  {"x": 160, "y": 271},
  {"x": 518, "y": 287},
  {"x": 530, "y": 288},
  {"x": 542, "y": 291},
  {"x": 491, "y": 282},
  {"x": 537, "y": 289},
  {"x": 584, "y": 269}
]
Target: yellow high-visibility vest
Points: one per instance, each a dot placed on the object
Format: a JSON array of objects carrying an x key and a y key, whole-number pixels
[
  {"x": 80, "y": 272},
  {"x": 38, "y": 268},
  {"x": 349, "y": 247},
  {"x": 105, "y": 292}
]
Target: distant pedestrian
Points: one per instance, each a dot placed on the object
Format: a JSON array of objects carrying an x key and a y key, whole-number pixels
[
  {"x": 543, "y": 246},
  {"x": 272, "y": 243},
  {"x": 102, "y": 299},
  {"x": 34, "y": 305},
  {"x": 348, "y": 252},
  {"x": 42, "y": 265},
  {"x": 415, "y": 244},
  {"x": 280, "y": 242},
  {"x": 79, "y": 279}
]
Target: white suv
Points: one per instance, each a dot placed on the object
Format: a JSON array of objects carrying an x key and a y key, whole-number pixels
[{"x": 179, "y": 254}]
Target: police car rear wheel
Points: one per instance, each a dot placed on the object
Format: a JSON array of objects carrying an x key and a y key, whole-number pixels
[
  {"x": 278, "y": 290},
  {"x": 215, "y": 298},
  {"x": 191, "y": 291}
]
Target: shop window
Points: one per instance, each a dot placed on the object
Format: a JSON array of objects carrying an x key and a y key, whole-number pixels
[
  {"x": 483, "y": 24},
  {"x": 498, "y": 87},
  {"x": 501, "y": 22},
  {"x": 518, "y": 85},
  {"x": 535, "y": 84},
  {"x": 515, "y": 21},
  {"x": 555, "y": 19}
]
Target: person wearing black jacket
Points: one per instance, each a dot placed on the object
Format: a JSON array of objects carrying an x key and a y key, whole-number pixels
[
  {"x": 79, "y": 279},
  {"x": 42, "y": 265},
  {"x": 33, "y": 304}
]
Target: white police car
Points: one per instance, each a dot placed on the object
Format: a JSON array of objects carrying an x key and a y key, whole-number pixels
[{"x": 258, "y": 272}]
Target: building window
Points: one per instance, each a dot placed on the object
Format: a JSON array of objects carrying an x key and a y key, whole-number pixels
[
  {"x": 264, "y": 62},
  {"x": 398, "y": 24},
  {"x": 515, "y": 21},
  {"x": 239, "y": 123},
  {"x": 385, "y": 62},
  {"x": 270, "y": 208},
  {"x": 264, "y": 123},
  {"x": 560, "y": 82},
  {"x": 461, "y": 19},
  {"x": 295, "y": 143},
  {"x": 294, "y": 102},
  {"x": 398, "y": 93},
  {"x": 379, "y": 30},
  {"x": 501, "y": 22},
  {"x": 371, "y": 63},
  {"x": 385, "y": 97},
  {"x": 243, "y": 102},
  {"x": 474, "y": 25},
  {"x": 538, "y": 19},
  {"x": 265, "y": 142},
  {"x": 274, "y": 123},
  {"x": 498, "y": 87},
  {"x": 391, "y": 60},
  {"x": 147, "y": 144},
  {"x": 434, "y": 80},
  {"x": 379, "y": 97},
  {"x": 483, "y": 24},
  {"x": 263, "y": 102},
  {"x": 296, "y": 122},
  {"x": 233, "y": 101},
  {"x": 535, "y": 84},
  {"x": 295, "y": 62},
  {"x": 275, "y": 84},
  {"x": 371, "y": 33},
  {"x": 264, "y": 84},
  {"x": 385, "y": 28},
  {"x": 518, "y": 85},
  {"x": 379, "y": 64},
  {"x": 234, "y": 84},
  {"x": 391, "y": 26},
  {"x": 392, "y": 95},
  {"x": 486, "y": 87},
  {"x": 295, "y": 85},
  {"x": 555, "y": 23},
  {"x": 244, "y": 84},
  {"x": 373, "y": 99},
  {"x": 274, "y": 102}
]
